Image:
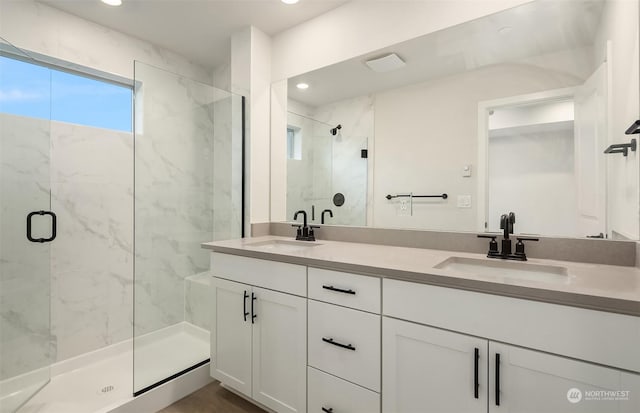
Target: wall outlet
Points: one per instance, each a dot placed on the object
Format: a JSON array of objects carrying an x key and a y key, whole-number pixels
[
  {"x": 464, "y": 201},
  {"x": 404, "y": 207}
]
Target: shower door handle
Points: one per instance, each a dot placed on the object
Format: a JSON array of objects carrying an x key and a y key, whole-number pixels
[{"x": 54, "y": 226}]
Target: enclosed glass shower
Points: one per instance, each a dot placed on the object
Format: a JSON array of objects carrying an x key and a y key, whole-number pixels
[
  {"x": 103, "y": 283},
  {"x": 26, "y": 347},
  {"x": 188, "y": 190}
]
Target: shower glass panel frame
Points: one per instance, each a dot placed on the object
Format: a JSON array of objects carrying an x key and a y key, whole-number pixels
[
  {"x": 188, "y": 189},
  {"x": 26, "y": 345}
]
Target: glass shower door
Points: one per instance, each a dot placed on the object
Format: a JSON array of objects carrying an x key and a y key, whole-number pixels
[
  {"x": 188, "y": 190},
  {"x": 26, "y": 226}
]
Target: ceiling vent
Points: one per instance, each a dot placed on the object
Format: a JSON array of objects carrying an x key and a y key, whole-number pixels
[{"x": 386, "y": 63}]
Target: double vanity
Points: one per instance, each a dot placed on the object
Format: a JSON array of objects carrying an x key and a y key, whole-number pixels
[{"x": 336, "y": 327}]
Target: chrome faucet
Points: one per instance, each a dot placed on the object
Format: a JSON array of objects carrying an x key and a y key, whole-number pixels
[{"x": 507, "y": 222}]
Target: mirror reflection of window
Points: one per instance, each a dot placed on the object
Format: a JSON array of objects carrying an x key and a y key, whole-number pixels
[{"x": 294, "y": 143}]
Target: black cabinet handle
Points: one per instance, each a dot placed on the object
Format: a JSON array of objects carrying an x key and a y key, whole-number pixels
[
  {"x": 54, "y": 226},
  {"x": 329, "y": 410},
  {"x": 253, "y": 315},
  {"x": 476, "y": 384},
  {"x": 338, "y": 290},
  {"x": 335, "y": 343},
  {"x": 497, "y": 379},
  {"x": 244, "y": 305}
]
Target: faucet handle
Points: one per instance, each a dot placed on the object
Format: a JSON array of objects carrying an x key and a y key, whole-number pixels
[
  {"x": 298, "y": 231},
  {"x": 312, "y": 236},
  {"x": 493, "y": 245},
  {"x": 520, "y": 247}
]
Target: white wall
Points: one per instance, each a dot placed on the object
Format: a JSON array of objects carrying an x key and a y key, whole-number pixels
[
  {"x": 426, "y": 133},
  {"x": 620, "y": 25},
  {"x": 532, "y": 114},
  {"x": 360, "y": 27},
  {"x": 531, "y": 172},
  {"x": 251, "y": 76},
  {"x": 42, "y": 29}
]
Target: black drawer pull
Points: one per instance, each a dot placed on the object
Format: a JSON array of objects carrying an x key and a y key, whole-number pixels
[
  {"x": 338, "y": 290},
  {"x": 253, "y": 314},
  {"x": 244, "y": 305},
  {"x": 497, "y": 379},
  {"x": 335, "y": 343},
  {"x": 476, "y": 384},
  {"x": 329, "y": 410}
]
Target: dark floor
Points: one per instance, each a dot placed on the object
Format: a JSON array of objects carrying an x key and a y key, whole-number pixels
[{"x": 212, "y": 398}]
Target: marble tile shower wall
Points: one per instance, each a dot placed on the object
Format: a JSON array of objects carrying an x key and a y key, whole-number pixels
[
  {"x": 89, "y": 267},
  {"x": 175, "y": 190},
  {"x": 349, "y": 171},
  {"x": 309, "y": 178}
]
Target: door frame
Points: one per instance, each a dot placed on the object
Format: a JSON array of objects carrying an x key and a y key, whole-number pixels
[{"x": 483, "y": 139}]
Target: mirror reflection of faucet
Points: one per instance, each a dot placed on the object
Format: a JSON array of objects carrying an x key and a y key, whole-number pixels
[
  {"x": 507, "y": 222},
  {"x": 322, "y": 215}
]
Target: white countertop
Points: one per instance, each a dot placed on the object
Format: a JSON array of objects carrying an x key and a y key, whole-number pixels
[{"x": 600, "y": 287}]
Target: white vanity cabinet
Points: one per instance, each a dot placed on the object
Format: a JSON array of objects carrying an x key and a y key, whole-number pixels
[
  {"x": 430, "y": 370},
  {"x": 427, "y": 368},
  {"x": 344, "y": 342},
  {"x": 523, "y": 380},
  {"x": 296, "y": 338},
  {"x": 259, "y": 340}
]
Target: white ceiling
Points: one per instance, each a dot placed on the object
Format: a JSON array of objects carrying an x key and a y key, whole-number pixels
[
  {"x": 538, "y": 28},
  {"x": 197, "y": 29}
]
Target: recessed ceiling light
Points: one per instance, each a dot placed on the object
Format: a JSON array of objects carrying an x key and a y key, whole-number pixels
[
  {"x": 289, "y": 1},
  {"x": 112, "y": 2},
  {"x": 302, "y": 86},
  {"x": 505, "y": 30}
]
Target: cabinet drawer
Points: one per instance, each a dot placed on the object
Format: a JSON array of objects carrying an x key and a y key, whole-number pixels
[
  {"x": 329, "y": 392},
  {"x": 350, "y": 290},
  {"x": 597, "y": 336},
  {"x": 274, "y": 275},
  {"x": 345, "y": 343}
]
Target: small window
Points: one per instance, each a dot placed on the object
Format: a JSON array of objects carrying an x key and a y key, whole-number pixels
[
  {"x": 27, "y": 89},
  {"x": 294, "y": 143}
]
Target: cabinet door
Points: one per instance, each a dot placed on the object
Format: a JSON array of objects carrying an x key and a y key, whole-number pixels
[
  {"x": 523, "y": 380},
  {"x": 231, "y": 335},
  {"x": 425, "y": 369},
  {"x": 280, "y": 351}
]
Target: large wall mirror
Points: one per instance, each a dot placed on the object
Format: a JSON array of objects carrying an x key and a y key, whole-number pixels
[{"x": 527, "y": 111}]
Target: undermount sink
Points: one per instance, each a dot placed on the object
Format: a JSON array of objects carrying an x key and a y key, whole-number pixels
[
  {"x": 279, "y": 245},
  {"x": 506, "y": 269}
]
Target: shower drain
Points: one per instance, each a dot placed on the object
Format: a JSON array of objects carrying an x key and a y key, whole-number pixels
[{"x": 106, "y": 389}]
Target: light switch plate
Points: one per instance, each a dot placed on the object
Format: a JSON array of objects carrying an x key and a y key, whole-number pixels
[
  {"x": 466, "y": 171},
  {"x": 404, "y": 207},
  {"x": 464, "y": 201}
]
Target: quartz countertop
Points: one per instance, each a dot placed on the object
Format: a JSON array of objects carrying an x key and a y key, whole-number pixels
[{"x": 608, "y": 288}]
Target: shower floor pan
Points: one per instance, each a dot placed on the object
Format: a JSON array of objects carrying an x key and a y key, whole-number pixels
[{"x": 102, "y": 381}]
